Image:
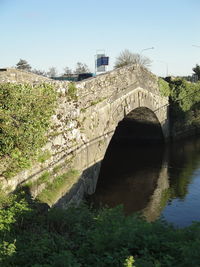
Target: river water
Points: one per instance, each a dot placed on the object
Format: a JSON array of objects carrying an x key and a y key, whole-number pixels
[{"x": 159, "y": 181}]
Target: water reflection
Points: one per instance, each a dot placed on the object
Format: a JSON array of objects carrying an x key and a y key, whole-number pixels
[
  {"x": 129, "y": 176},
  {"x": 183, "y": 204},
  {"x": 157, "y": 180}
]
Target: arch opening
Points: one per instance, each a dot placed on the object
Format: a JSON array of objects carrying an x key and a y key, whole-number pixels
[
  {"x": 139, "y": 127},
  {"x": 132, "y": 163}
]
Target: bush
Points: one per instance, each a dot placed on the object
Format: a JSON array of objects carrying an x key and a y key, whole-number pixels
[
  {"x": 164, "y": 87},
  {"x": 184, "y": 104},
  {"x": 81, "y": 236},
  {"x": 25, "y": 113},
  {"x": 185, "y": 93}
]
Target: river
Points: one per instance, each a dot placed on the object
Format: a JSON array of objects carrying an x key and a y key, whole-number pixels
[{"x": 161, "y": 181}]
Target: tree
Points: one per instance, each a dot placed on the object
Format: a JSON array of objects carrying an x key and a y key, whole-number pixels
[
  {"x": 196, "y": 70},
  {"x": 67, "y": 71},
  {"x": 126, "y": 57},
  {"x": 81, "y": 68},
  {"x": 52, "y": 72},
  {"x": 23, "y": 65},
  {"x": 39, "y": 72}
]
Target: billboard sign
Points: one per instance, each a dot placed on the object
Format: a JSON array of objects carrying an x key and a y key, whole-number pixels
[
  {"x": 100, "y": 68},
  {"x": 102, "y": 61}
]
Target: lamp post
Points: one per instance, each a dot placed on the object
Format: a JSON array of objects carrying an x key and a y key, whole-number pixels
[
  {"x": 196, "y": 46},
  {"x": 148, "y": 48}
]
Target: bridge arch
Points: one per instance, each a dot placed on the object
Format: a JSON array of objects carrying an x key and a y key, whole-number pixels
[
  {"x": 142, "y": 106},
  {"x": 138, "y": 118},
  {"x": 140, "y": 126},
  {"x": 117, "y": 111}
]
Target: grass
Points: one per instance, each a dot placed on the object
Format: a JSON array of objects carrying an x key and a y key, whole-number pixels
[
  {"x": 60, "y": 185},
  {"x": 45, "y": 155},
  {"x": 44, "y": 178},
  {"x": 97, "y": 101},
  {"x": 57, "y": 168},
  {"x": 72, "y": 90}
]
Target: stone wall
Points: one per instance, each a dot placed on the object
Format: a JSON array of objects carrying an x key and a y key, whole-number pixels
[{"x": 20, "y": 76}]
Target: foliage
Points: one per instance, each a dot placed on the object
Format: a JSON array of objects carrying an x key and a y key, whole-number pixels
[
  {"x": 129, "y": 262},
  {"x": 67, "y": 71},
  {"x": 43, "y": 156},
  {"x": 52, "y": 72},
  {"x": 33, "y": 235},
  {"x": 57, "y": 168},
  {"x": 39, "y": 72},
  {"x": 100, "y": 99},
  {"x": 196, "y": 70},
  {"x": 164, "y": 87},
  {"x": 72, "y": 90},
  {"x": 186, "y": 93},
  {"x": 44, "y": 178},
  {"x": 81, "y": 68},
  {"x": 184, "y": 103},
  {"x": 53, "y": 188},
  {"x": 25, "y": 113},
  {"x": 126, "y": 58},
  {"x": 23, "y": 65}
]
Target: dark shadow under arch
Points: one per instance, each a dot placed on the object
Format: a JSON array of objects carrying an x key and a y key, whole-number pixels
[
  {"x": 132, "y": 163},
  {"x": 140, "y": 126}
]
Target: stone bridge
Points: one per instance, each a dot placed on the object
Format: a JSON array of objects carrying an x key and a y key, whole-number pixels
[{"x": 83, "y": 125}]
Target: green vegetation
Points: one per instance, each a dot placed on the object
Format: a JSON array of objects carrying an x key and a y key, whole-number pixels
[
  {"x": 83, "y": 109},
  {"x": 57, "y": 168},
  {"x": 196, "y": 70},
  {"x": 23, "y": 65},
  {"x": 97, "y": 101},
  {"x": 43, "y": 156},
  {"x": 72, "y": 90},
  {"x": 164, "y": 87},
  {"x": 185, "y": 103},
  {"x": 44, "y": 178},
  {"x": 33, "y": 235},
  {"x": 187, "y": 94},
  {"x": 54, "y": 188},
  {"x": 25, "y": 112}
]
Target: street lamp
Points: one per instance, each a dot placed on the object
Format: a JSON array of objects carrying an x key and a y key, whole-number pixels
[{"x": 146, "y": 49}]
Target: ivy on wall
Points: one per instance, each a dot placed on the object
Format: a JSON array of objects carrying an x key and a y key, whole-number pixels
[{"x": 25, "y": 113}]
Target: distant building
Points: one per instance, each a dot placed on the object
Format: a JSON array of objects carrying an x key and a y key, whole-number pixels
[{"x": 73, "y": 77}]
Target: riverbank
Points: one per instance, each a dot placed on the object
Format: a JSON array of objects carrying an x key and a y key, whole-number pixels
[{"x": 33, "y": 235}]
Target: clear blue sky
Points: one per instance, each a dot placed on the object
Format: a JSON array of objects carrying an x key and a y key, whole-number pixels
[{"x": 61, "y": 32}]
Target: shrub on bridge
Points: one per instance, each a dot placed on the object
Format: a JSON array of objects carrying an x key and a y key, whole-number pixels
[{"x": 25, "y": 112}]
